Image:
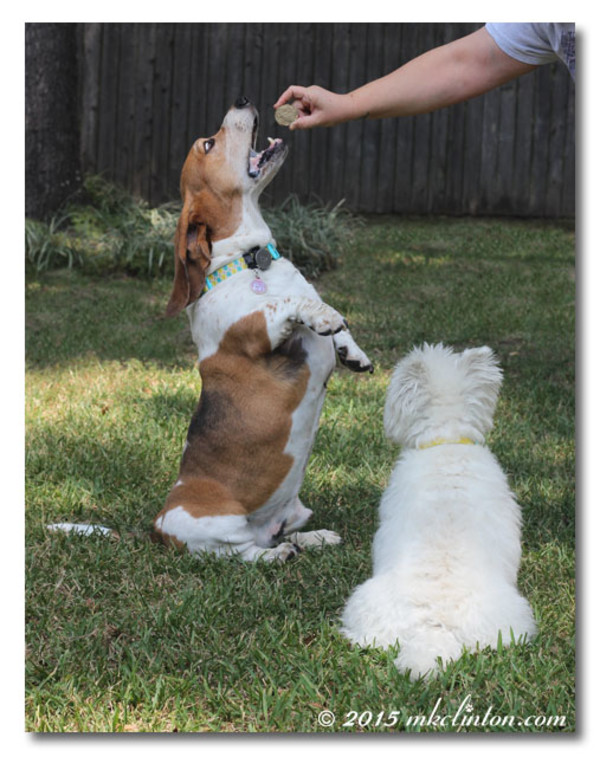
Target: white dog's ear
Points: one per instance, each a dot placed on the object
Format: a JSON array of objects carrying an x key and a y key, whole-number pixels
[
  {"x": 483, "y": 365},
  {"x": 405, "y": 395},
  {"x": 483, "y": 378}
]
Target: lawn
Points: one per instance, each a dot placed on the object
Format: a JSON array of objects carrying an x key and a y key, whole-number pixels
[{"x": 124, "y": 635}]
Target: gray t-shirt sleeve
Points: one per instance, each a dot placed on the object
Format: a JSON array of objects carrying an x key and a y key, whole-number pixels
[{"x": 536, "y": 44}]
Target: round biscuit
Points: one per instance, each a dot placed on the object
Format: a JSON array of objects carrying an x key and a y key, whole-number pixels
[{"x": 286, "y": 115}]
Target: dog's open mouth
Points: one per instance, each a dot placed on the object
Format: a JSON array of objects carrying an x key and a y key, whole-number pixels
[{"x": 258, "y": 160}]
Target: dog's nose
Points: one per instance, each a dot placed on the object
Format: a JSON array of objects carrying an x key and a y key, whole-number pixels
[{"x": 242, "y": 102}]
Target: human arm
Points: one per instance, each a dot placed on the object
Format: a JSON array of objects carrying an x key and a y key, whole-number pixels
[{"x": 442, "y": 76}]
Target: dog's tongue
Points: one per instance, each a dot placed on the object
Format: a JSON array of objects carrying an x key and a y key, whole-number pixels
[
  {"x": 254, "y": 158},
  {"x": 258, "y": 158}
]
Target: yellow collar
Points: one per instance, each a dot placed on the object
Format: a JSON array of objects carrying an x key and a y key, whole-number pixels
[{"x": 437, "y": 442}]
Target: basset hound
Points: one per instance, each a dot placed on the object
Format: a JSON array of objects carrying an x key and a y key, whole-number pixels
[{"x": 266, "y": 348}]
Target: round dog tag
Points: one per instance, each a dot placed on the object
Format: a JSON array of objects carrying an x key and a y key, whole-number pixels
[
  {"x": 262, "y": 259},
  {"x": 258, "y": 286}
]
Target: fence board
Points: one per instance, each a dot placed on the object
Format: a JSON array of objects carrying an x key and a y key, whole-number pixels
[
  {"x": 149, "y": 90},
  {"x": 386, "y": 155},
  {"x": 107, "y": 106},
  {"x": 180, "y": 138},
  {"x": 89, "y": 91},
  {"x": 523, "y": 141},
  {"x": 337, "y": 152},
  {"x": 568, "y": 182},
  {"x": 144, "y": 74},
  {"x": 556, "y": 146}
]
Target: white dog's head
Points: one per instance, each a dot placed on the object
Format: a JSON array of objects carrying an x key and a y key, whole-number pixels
[{"x": 436, "y": 393}]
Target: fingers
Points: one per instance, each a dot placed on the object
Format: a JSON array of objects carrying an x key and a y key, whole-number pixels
[
  {"x": 306, "y": 102},
  {"x": 293, "y": 91},
  {"x": 304, "y": 121},
  {"x": 317, "y": 106},
  {"x": 302, "y": 103}
]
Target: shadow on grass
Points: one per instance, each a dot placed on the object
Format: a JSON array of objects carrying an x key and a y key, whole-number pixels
[{"x": 69, "y": 316}]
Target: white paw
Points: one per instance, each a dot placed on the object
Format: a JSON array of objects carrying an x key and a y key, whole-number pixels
[
  {"x": 355, "y": 361},
  {"x": 322, "y": 318},
  {"x": 350, "y": 353},
  {"x": 281, "y": 553},
  {"x": 308, "y": 539}
]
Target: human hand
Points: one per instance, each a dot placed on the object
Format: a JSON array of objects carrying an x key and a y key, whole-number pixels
[{"x": 316, "y": 106}]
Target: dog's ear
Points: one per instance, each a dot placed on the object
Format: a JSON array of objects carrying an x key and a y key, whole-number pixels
[
  {"x": 405, "y": 395},
  {"x": 192, "y": 259},
  {"x": 482, "y": 381},
  {"x": 482, "y": 365}
]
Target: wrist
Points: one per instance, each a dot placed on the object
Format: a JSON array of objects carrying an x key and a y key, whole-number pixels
[
  {"x": 349, "y": 108},
  {"x": 358, "y": 105},
  {"x": 335, "y": 109}
]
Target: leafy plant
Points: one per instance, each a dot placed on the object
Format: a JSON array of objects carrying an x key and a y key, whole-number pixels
[
  {"x": 104, "y": 228},
  {"x": 312, "y": 236},
  {"x": 47, "y": 245}
]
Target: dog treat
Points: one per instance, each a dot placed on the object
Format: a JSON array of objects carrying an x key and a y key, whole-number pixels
[{"x": 286, "y": 115}]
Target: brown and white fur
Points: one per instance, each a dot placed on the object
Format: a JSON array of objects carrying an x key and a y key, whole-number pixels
[{"x": 264, "y": 360}]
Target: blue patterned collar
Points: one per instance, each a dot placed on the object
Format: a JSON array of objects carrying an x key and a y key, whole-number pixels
[{"x": 258, "y": 258}]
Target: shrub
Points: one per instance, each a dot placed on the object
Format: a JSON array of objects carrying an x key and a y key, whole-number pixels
[
  {"x": 312, "y": 236},
  {"x": 103, "y": 229}
]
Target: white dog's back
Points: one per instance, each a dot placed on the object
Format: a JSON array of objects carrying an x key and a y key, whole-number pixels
[{"x": 447, "y": 550}]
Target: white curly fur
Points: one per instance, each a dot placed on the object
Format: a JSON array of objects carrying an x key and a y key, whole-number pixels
[{"x": 447, "y": 550}]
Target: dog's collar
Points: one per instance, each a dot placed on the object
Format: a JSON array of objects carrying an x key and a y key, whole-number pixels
[
  {"x": 257, "y": 258},
  {"x": 437, "y": 442}
]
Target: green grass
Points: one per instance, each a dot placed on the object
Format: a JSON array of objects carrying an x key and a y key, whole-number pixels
[{"x": 128, "y": 636}]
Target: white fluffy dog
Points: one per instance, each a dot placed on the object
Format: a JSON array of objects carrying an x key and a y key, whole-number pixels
[{"x": 447, "y": 550}]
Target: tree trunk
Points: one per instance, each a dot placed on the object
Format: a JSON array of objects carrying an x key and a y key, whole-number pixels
[{"x": 52, "y": 159}]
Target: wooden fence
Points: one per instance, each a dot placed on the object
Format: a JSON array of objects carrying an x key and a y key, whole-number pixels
[{"x": 148, "y": 90}]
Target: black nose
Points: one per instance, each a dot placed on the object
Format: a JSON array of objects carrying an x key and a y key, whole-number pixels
[{"x": 242, "y": 102}]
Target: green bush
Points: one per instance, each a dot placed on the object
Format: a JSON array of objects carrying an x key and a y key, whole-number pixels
[
  {"x": 312, "y": 236},
  {"x": 103, "y": 229}
]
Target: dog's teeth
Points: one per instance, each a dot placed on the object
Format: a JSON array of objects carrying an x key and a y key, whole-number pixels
[{"x": 271, "y": 140}]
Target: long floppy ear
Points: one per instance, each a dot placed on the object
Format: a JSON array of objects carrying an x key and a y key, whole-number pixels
[{"x": 192, "y": 259}]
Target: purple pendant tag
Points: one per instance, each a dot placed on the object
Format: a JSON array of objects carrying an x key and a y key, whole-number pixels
[{"x": 258, "y": 286}]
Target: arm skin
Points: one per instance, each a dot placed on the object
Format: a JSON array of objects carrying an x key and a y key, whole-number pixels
[{"x": 440, "y": 77}]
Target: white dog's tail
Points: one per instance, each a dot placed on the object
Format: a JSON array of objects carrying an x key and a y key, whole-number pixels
[
  {"x": 420, "y": 653},
  {"x": 94, "y": 529},
  {"x": 83, "y": 529}
]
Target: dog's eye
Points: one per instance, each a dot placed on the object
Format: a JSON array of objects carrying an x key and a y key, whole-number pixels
[{"x": 208, "y": 145}]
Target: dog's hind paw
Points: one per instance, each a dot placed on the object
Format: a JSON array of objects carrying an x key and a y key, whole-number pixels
[
  {"x": 321, "y": 538},
  {"x": 281, "y": 553}
]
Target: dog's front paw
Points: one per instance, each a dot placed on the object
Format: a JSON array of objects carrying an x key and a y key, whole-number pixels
[
  {"x": 355, "y": 361},
  {"x": 322, "y": 318},
  {"x": 350, "y": 354}
]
